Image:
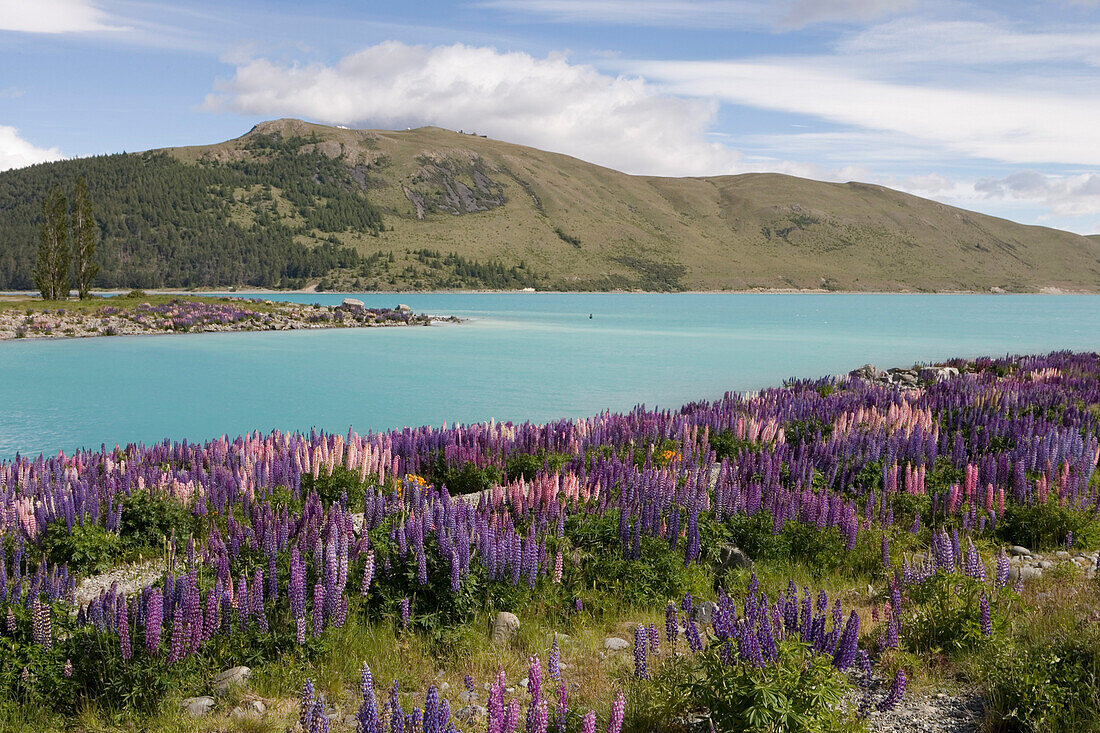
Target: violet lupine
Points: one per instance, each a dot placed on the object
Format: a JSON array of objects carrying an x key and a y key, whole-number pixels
[
  {"x": 588, "y": 725},
  {"x": 672, "y": 625},
  {"x": 305, "y": 705},
  {"x": 397, "y": 715},
  {"x": 318, "y": 609},
  {"x": 641, "y": 642},
  {"x": 534, "y": 689},
  {"x": 986, "y": 621},
  {"x": 563, "y": 707},
  {"x": 405, "y": 611},
  {"x": 897, "y": 690},
  {"x": 1000, "y": 578},
  {"x": 154, "y": 611},
  {"x": 122, "y": 624},
  {"x": 553, "y": 663},
  {"x": 846, "y": 648},
  {"x": 431, "y": 711},
  {"x": 367, "y": 716},
  {"x": 654, "y": 639},
  {"x": 695, "y": 643},
  {"x": 618, "y": 709},
  {"x": 368, "y": 573}
]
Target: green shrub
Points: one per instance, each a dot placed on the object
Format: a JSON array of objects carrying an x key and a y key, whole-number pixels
[
  {"x": 88, "y": 549},
  {"x": 1051, "y": 684},
  {"x": 528, "y": 465},
  {"x": 943, "y": 614},
  {"x": 147, "y": 518},
  {"x": 343, "y": 483},
  {"x": 1046, "y": 525},
  {"x": 469, "y": 479},
  {"x": 801, "y": 692}
]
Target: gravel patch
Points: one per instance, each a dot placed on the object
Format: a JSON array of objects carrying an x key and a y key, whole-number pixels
[
  {"x": 931, "y": 712},
  {"x": 130, "y": 578}
]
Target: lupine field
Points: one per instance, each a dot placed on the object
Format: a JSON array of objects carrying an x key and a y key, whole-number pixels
[{"x": 360, "y": 576}]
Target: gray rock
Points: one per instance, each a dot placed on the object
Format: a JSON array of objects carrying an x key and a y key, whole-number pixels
[
  {"x": 403, "y": 308},
  {"x": 1017, "y": 550},
  {"x": 466, "y": 697},
  {"x": 470, "y": 714},
  {"x": 731, "y": 557},
  {"x": 505, "y": 628},
  {"x": 1044, "y": 564},
  {"x": 867, "y": 371},
  {"x": 249, "y": 709},
  {"x": 1062, "y": 555},
  {"x": 615, "y": 644},
  {"x": 704, "y": 612},
  {"x": 197, "y": 707},
  {"x": 937, "y": 373},
  {"x": 352, "y": 303},
  {"x": 232, "y": 677}
]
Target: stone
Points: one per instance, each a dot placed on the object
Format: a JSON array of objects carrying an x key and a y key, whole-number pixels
[
  {"x": 1017, "y": 550},
  {"x": 615, "y": 644},
  {"x": 505, "y": 628},
  {"x": 1062, "y": 555},
  {"x": 197, "y": 707},
  {"x": 357, "y": 522},
  {"x": 352, "y": 303},
  {"x": 1044, "y": 564},
  {"x": 731, "y": 557},
  {"x": 867, "y": 371},
  {"x": 704, "y": 612},
  {"x": 404, "y": 308},
  {"x": 249, "y": 709},
  {"x": 232, "y": 677},
  {"x": 470, "y": 714},
  {"x": 466, "y": 697},
  {"x": 523, "y": 683},
  {"x": 937, "y": 373}
]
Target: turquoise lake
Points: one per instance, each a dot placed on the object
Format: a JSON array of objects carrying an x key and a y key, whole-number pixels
[{"x": 521, "y": 356}]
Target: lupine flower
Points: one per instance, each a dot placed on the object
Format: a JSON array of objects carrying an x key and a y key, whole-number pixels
[
  {"x": 618, "y": 708},
  {"x": 897, "y": 689},
  {"x": 986, "y": 623},
  {"x": 405, "y": 613},
  {"x": 672, "y": 625},
  {"x": 554, "y": 660},
  {"x": 641, "y": 642},
  {"x": 368, "y": 709},
  {"x": 588, "y": 725},
  {"x": 305, "y": 705},
  {"x": 846, "y": 648}
]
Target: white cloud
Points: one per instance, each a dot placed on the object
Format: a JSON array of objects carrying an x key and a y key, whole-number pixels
[
  {"x": 15, "y": 152},
  {"x": 618, "y": 121},
  {"x": 53, "y": 16},
  {"x": 789, "y": 14},
  {"x": 1071, "y": 195},
  {"x": 1003, "y": 125}
]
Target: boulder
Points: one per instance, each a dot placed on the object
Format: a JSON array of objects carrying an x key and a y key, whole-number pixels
[
  {"x": 1017, "y": 550},
  {"x": 704, "y": 612},
  {"x": 197, "y": 707},
  {"x": 505, "y": 628},
  {"x": 232, "y": 677},
  {"x": 937, "y": 373},
  {"x": 615, "y": 644},
  {"x": 352, "y": 303},
  {"x": 731, "y": 557},
  {"x": 470, "y": 714},
  {"x": 403, "y": 308},
  {"x": 867, "y": 371},
  {"x": 249, "y": 709}
]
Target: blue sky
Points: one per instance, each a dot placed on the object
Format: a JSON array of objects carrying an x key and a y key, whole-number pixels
[{"x": 993, "y": 106}]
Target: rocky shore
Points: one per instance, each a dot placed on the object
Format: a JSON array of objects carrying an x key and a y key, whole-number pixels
[{"x": 198, "y": 315}]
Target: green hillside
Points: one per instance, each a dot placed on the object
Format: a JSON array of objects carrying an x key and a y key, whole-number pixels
[{"x": 291, "y": 203}]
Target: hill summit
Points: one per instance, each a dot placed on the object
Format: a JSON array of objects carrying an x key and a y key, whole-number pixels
[{"x": 291, "y": 202}]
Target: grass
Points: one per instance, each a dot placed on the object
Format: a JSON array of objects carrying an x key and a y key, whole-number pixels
[{"x": 94, "y": 303}]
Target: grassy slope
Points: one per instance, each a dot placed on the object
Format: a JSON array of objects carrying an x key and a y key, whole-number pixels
[{"x": 727, "y": 232}]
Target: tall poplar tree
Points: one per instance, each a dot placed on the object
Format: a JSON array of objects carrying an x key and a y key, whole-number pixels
[
  {"x": 85, "y": 267},
  {"x": 51, "y": 271}
]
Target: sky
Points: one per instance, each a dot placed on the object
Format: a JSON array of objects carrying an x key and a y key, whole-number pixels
[{"x": 992, "y": 106}]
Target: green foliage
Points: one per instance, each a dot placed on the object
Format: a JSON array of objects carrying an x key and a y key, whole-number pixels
[
  {"x": 85, "y": 234},
  {"x": 807, "y": 430},
  {"x": 801, "y": 692},
  {"x": 342, "y": 484},
  {"x": 1040, "y": 526},
  {"x": 821, "y": 550},
  {"x": 167, "y": 223},
  {"x": 727, "y": 445},
  {"x": 467, "y": 479},
  {"x": 1048, "y": 684},
  {"x": 148, "y": 518},
  {"x": 567, "y": 238},
  {"x": 88, "y": 549},
  {"x": 528, "y": 465},
  {"x": 943, "y": 614},
  {"x": 604, "y": 578},
  {"x": 51, "y": 267}
]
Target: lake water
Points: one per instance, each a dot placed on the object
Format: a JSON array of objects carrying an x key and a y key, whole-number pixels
[{"x": 521, "y": 356}]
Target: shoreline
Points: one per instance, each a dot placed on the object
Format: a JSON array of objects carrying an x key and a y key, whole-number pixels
[{"x": 138, "y": 316}]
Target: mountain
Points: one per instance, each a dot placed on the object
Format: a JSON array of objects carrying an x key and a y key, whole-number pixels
[{"x": 291, "y": 202}]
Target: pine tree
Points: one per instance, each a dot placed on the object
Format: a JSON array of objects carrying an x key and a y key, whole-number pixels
[
  {"x": 51, "y": 272},
  {"x": 85, "y": 267}
]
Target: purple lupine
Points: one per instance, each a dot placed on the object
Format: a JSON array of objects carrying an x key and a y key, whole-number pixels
[
  {"x": 404, "y": 608},
  {"x": 368, "y": 573},
  {"x": 534, "y": 689},
  {"x": 397, "y": 715},
  {"x": 153, "y": 619},
  {"x": 431, "y": 711},
  {"x": 1000, "y": 578},
  {"x": 641, "y": 642},
  {"x": 672, "y": 625},
  {"x": 175, "y": 644},
  {"x": 122, "y": 624},
  {"x": 692, "y": 633},
  {"x": 618, "y": 709},
  {"x": 305, "y": 705},
  {"x": 897, "y": 689},
  {"x": 368, "y": 709},
  {"x": 563, "y": 707},
  {"x": 318, "y": 609},
  {"x": 553, "y": 662},
  {"x": 846, "y": 648},
  {"x": 654, "y": 639},
  {"x": 578, "y": 605},
  {"x": 986, "y": 621},
  {"x": 588, "y": 725}
]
